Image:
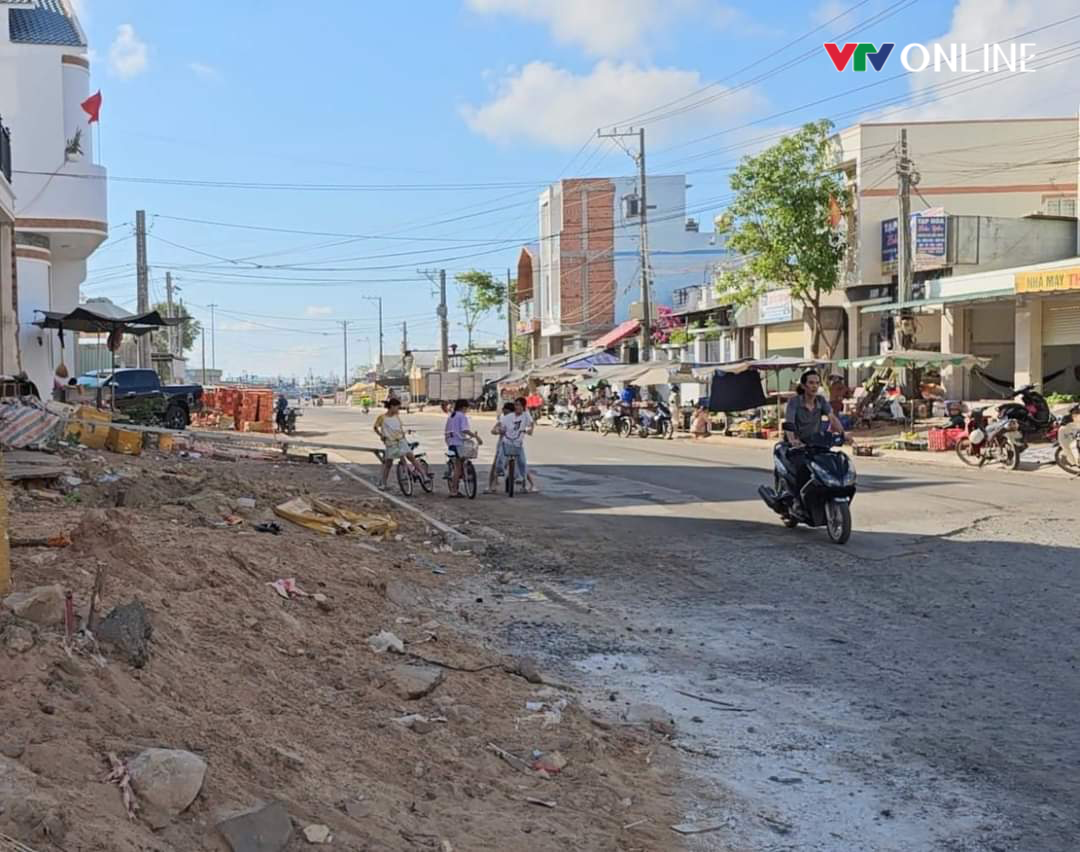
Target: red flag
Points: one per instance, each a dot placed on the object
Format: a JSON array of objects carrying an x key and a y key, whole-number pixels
[
  {"x": 836, "y": 215},
  {"x": 92, "y": 106}
]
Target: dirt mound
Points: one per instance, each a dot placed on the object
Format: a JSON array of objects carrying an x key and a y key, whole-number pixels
[{"x": 285, "y": 701}]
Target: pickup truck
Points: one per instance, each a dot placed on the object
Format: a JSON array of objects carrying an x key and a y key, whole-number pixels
[{"x": 140, "y": 395}]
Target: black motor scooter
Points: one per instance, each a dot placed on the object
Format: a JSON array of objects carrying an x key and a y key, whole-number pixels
[
  {"x": 824, "y": 499},
  {"x": 658, "y": 422}
]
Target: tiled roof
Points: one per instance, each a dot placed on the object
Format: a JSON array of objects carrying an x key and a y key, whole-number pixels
[{"x": 47, "y": 23}]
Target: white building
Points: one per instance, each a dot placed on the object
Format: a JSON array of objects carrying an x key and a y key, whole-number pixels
[
  {"x": 587, "y": 277},
  {"x": 60, "y": 194},
  {"x": 9, "y": 350}
]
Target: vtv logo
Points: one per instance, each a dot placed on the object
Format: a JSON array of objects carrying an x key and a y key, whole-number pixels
[{"x": 841, "y": 55}]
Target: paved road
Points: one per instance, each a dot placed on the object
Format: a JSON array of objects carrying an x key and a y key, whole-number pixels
[{"x": 914, "y": 690}]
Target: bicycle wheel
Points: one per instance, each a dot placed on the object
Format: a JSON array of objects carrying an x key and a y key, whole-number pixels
[
  {"x": 425, "y": 476},
  {"x": 470, "y": 480},
  {"x": 404, "y": 478},
  {"x": 510, "y": 475}
]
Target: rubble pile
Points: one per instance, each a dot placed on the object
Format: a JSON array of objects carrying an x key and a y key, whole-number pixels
[{"x": 206, "y": 683}]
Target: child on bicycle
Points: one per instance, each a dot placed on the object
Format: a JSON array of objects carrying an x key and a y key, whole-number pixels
[
  {"x": 499, "y": 463},
  {"x": 456, "y": 431},
  {"x": 389, "y": 428}
]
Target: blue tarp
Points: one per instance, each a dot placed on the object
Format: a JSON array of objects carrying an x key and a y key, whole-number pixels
[{"x": 597, "y": 359}]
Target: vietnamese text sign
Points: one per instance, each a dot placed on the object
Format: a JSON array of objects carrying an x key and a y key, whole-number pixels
[
  {"x": 774, "y": 306},
  {"x": 929, "y": 238},
  {"x": 1048, "y": 280}
]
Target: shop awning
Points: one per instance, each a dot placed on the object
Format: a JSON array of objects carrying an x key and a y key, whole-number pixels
[
  {"x": 596, "y": 359},
  {"x": 618, "y": 334},
  {"x": 903, "y": 358},
  {"x": 892, "y": 307},
  {"x": 105, "y": 318}
]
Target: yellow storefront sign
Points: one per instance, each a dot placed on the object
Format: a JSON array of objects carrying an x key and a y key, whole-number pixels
[{"x": 1048, "y": 280}]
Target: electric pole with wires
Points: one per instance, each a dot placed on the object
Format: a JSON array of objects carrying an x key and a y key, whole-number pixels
[{"x": 643, "y": 208}]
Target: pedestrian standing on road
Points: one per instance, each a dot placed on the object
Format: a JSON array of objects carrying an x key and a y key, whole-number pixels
[
  {"x": 500, "y": 459},
  {"x": 456, "y": 432}
]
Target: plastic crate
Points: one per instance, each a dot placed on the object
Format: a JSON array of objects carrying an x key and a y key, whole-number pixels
[{"x": 941, "y": 440}]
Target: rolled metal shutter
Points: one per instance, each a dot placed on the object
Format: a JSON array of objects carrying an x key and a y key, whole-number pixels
[{"x": 1061, "y": 323}]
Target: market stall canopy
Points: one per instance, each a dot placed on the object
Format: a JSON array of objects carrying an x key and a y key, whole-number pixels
[
  {"x": 105, "y": 318},
  {"x": 595, "y": 359},
  {"x": 618, "y": 334},
  {"x": 916, "y": 358}
]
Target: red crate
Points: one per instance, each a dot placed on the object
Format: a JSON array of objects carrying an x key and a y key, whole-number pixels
[{"x": 940, "y": 440}]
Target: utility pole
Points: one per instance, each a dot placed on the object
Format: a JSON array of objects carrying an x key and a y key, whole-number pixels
[
  {"x": 202, "y": 334},
  {"x": 643, "y": 222},
  {"x": 171, "y": 313},
  {"x": 379, "y": 300},
  {"x": 142, "y": 284},
  {"x": 905, "y": 274},
  {"x": 444, "y": 323},
  {"x": 213, "y": 339},
  {"x": 345, "y": 340},
  {"x": 509, "y": 324},
  {"x": 443, "y": 315},
  {"x": 404, "y": 338}
]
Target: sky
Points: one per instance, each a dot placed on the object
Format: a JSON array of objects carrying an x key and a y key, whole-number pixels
[{"x": 298, "y": 160}]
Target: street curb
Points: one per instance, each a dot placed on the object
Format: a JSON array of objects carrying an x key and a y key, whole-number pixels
[{"x": 452, "y": 536}]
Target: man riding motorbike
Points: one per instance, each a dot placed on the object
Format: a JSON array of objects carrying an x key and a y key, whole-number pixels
[{"x": 805, "y": 412}]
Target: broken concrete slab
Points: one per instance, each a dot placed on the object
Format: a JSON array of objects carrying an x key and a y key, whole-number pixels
[
  {"x": 266, "y": 829},
  {"x": 128, "y": 629},
  {"x": 42, "y": 605},
  {"x": 17, "y": 639},
  {"x": 412, "y": 682}
]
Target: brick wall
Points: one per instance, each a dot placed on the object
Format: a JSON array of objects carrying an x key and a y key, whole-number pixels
[{"x": 587, "y": 279}]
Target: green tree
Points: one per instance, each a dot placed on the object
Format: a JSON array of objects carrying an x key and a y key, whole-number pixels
[
  {"x": 479, "y": 293},
  {"x": 189, "y": 329},
  {"x": 780, "y": 223}
]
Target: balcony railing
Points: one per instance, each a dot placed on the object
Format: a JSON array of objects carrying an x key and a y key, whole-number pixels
[{"x": 5, "y": 152}]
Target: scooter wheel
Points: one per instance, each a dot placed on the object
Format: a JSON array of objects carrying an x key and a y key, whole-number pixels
[{"x": 838, "y": 521}]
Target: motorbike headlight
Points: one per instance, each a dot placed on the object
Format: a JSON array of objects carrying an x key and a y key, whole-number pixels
[
  {"x": 1012, "y": 426},
  {"x": 826, "y": 476}
]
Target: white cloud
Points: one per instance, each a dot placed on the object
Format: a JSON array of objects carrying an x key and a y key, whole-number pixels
[
  {"x": 240, "y": 325},
  {"x": 553, "y": 106},
  {"x": 318, "y": 311},
  {"x": 602, "y": 27},
  {"x": 128, "y": 54},
  {"x": 978, "y": 22},
  {"x": 204, "y": 71}
]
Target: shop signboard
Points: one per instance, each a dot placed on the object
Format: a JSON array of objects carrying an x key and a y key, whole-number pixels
[
  {"x": 1061, "y": 280},
  {"x": 774, "y": 306},
  {"x": 929, "y": 239}
]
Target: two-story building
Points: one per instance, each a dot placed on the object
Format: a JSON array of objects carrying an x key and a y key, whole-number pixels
[
  {"x": 60, "y": 193},
  {"x": 586, "y": 266},
  {"x": 993, "y": 199}
]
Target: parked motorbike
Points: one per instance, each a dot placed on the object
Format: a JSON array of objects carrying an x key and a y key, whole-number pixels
[
  {"x": 658, "y": 422},
  {"x": 286, "y": 420},
  {"x": 998, "y": 442},
  {"x": 614, "y": 419},
  {"x": 1067, "y": 455},
  {"x": 563, "y": 417},
  {"x": 824, "y": 499},
  {"x": 1031, "y": 412}
]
